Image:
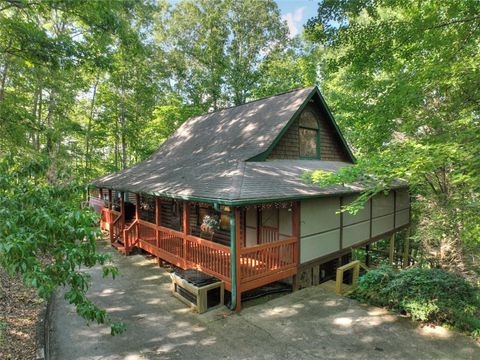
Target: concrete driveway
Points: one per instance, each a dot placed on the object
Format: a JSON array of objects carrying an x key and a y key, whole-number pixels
[{"x": 308, "y": 324}]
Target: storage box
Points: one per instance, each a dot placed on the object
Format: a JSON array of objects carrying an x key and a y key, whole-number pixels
[{"x": 200, "y": 298}]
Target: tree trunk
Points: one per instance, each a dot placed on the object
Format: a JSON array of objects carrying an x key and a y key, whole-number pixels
[
  {"x": 4, "y": 80},
  {"x": 49, "y": 132},
  {"x": 39, "y": 117},
  {"x": 89, "y": 128},
  {"x": 34, "y": 116},
  {"x": 115, "y": 147},
  {"x": 123, "y": 129}
]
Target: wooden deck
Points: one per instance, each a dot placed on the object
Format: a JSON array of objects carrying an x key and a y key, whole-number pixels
[{"x": 258, "y": 265}]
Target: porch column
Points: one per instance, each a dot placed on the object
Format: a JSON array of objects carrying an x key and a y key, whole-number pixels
[
  {"x": 367, "y": 254},
  {"x": 406, "y": 249},
  {"x": 238, "y": 245},
  {"x": 110, "y": 222},
  {"x": 391, "y": 254},
  {"x": 235, "y": 275},
  {"x": 186, "y": 228},
  {"x": 137, "y": 207},
  {"x": 158, "y": 214},
  {"x": 296, "y": 233},
  {"x": 122, "y": 222},
  {"x": 122, "y": 209},
  {"x": 110, "y": 199},
  {"x": 100, "y": 193}
]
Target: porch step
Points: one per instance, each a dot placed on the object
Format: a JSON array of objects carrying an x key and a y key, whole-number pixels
[{"x": 119, "y": 246}]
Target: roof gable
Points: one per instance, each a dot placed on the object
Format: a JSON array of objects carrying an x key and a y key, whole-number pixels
[
  {"x": 240, "y": 132},
  {"x": 320, "y": 102},
  {"x": 206, "y": 157}
]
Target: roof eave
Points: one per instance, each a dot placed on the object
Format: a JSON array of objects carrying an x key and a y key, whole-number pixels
[{"x": 251, "y": 201}]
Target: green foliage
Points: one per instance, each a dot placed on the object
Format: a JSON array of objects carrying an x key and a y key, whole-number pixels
[
  {"x": 90, "y": 87},
  {"x": 218, "y": 48},
  {"x": 431, "y": 295},
  {"x": 167, "y": 118},
  {"x": 401, "y": 77},
  {"x": 47, "y": 239}
]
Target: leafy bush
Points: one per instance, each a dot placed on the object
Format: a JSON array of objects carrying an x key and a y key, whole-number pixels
[
  {"x": 47, "y": 239},
  {"x": 431, "y": 295}
]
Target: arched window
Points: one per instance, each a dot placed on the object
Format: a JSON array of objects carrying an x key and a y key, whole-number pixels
[{"x": 309, "y": 137}]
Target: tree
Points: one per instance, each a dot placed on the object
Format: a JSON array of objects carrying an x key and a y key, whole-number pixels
[
  {"x": 216, "y": 48},
  {"x": 48, "y": 52},
  {"x": 402, "y": 77},
  {"x": 198, "y": 33},
  {"x": 291, "y": 68},
  {"x": 256, "y": 31}
]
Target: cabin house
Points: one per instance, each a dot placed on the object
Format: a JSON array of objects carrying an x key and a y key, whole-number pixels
[{"x": 224, "y": 195}]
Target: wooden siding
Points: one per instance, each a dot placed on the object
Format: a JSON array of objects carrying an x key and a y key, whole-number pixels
[
  {"x": 324, "y": 232},
  {"x": 331, "y": 147}
]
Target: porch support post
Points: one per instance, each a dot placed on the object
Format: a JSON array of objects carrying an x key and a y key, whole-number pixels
[
  {"x": 110, "y": 199},
  {"x": 137, "y": 206},
  {"x": 186, "y": 229},
  {"x": 392, "y": 250},
  {"x": 238, "y": 245},
  {"x": 367, "y": 254},
  {"x": 406, "y": 249},
  {"x": 110, "y": 220},
  {"x": 236, "y": 295},
  {"x": 157, "y": 223},
  {"x": 122, "y": 210},
  {"x": 296, "y": 233},
  {"x": 122, "y": 222},
  {"x": 100, "y": 193}
]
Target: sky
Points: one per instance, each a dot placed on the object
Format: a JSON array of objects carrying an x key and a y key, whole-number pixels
[{"x": 297, "y": 12}]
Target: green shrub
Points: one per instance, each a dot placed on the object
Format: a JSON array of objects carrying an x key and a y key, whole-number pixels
[{"x": 431, "y": 295}]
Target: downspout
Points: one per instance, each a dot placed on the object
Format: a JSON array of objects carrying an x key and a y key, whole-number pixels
[{"x": 233, "y": 262}]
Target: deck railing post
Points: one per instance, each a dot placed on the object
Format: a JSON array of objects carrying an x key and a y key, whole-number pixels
[{"x": 186, "y": 229}]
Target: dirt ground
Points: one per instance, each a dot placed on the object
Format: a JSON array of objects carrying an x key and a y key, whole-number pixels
[
  {"x": 19, "y": 310},
  {"x": 308, "y": 324}
]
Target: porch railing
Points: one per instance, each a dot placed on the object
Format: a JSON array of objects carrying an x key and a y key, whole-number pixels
[
  {"x": 256, "y": 263},
  {"x": 261, "y": 260},
  {"x": 209, "y": 257},
  {"x": 268, "y": 234},
  {"x": 130, "y": 236},
  {"x": 117, "y": 226},
  {"x": 105, "y": 219}
]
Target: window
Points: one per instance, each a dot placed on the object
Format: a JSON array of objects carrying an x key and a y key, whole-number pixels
[{"x": 309, "y": 136}]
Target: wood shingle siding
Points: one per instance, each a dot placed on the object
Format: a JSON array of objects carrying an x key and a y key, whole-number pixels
[
  {"x": 330, "y": 144},
  {"x": 288, "y": 147}
]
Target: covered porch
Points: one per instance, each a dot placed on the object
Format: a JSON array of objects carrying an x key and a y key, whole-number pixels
[{"x": 251, "y": 246}]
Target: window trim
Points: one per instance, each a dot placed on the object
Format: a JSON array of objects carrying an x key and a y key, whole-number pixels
[{"x": 317, "y": 130}]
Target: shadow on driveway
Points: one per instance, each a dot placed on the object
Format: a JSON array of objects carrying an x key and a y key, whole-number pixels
[{"x": 307, "y": 324}]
